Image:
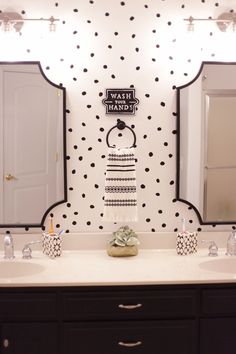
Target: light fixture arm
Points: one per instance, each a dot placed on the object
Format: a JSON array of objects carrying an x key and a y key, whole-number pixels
[
  {"x": 14, "y": 20},
  {"x": 223, "y": 21}
]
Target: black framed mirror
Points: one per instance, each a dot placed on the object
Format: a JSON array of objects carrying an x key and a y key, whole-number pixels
[
  {"x": 33, "y": 145},
  {"x": 206, "y": 143}
]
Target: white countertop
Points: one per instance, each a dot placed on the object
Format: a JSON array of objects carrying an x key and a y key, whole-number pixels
[{"x": 95, "y": 267}]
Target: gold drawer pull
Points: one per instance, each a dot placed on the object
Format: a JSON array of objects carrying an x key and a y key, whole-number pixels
[
  {"x": 129, "y": 307},
  {"x": 130, "y": 345}
]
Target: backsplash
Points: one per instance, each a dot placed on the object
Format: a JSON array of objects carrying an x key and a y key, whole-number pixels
[{"x": 104, "y": 44}]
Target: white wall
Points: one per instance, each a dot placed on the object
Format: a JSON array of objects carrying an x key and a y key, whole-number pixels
[{"x": 114, "y": 44}]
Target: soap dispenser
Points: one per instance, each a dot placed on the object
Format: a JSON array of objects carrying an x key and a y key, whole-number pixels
[{"x": 231, "y": 244}]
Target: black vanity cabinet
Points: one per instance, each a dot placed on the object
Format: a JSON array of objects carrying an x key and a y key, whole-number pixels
[
  {"x": 151, "y": 319},
  {"x": 130, "y": 321},
  {"x": 218, "y": 320},
  {"x": 28, "y": 321},
  {"x": 29, "y": 338}
]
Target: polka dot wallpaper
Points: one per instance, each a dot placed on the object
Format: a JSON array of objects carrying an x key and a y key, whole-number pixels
[{"x": 103, "y": 44}]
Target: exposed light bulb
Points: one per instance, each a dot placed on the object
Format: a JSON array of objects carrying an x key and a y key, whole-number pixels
[
  {"x": 190, "y": 27},
  {"x": 52, "y": 27},
  {"x": 234, "y": 26},
  {"x": 6, "y": 26}
]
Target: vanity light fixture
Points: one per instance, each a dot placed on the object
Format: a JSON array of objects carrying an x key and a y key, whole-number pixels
[
  {"x": 224, "y": 21},
  {"x": 14, "y": 21}
]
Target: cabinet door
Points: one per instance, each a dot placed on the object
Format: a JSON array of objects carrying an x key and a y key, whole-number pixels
[
  {"x": 217, "y": 335},
  {"x": 29, "y": 338},
  {"x": 145, "y": 337}
]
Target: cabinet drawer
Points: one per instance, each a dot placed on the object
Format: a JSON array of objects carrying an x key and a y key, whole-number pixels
[
  {"x": 129, "y": 305},
  {"x": 218, "y": 301},
  {"x": 164, "y": 337},
  {"x": 28, "y": 306}
]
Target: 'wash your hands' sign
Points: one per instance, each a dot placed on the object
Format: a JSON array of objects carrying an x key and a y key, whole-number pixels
[{"x": 120, "y": 101}]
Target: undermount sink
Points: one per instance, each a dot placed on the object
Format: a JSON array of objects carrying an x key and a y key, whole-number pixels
[
  {"x": 13, "y": 269},
  {"x": 226, "y": 265}
]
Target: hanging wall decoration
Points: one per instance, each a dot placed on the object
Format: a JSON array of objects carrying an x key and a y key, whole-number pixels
[{"x": 120, "y": 101}]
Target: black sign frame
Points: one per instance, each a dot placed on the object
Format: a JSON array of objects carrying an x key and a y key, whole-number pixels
[{"x": 120, "y": 101}]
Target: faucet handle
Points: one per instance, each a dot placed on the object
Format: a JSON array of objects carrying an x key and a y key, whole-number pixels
[
  {"x": 213, "y": 248},
  {"x": 27, "y": 251}
]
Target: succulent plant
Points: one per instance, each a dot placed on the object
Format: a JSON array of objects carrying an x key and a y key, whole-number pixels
[{"x": 124, "y": 236}]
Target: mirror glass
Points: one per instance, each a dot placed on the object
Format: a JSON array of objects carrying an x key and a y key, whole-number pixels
[
  {"x": 32, "y": 153},
  {"x": 206, "y": 143}
]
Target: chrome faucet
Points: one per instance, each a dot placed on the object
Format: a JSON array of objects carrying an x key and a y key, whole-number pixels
[
  {"x": 27, "y": 251},
  {"x": 8, "y": 247},
  {"x": 213, "y": 248}
]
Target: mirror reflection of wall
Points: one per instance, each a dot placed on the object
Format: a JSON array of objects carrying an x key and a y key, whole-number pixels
[
  {"x": 32, "y": 149},
  {"x": 220, "y": 159},
  {"x": 207, "y": 144}
]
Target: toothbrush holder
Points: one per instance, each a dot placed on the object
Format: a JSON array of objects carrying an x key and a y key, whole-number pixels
[
  {"x": 52, "y": 245},
  {"x": 186, "y": 243}
]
